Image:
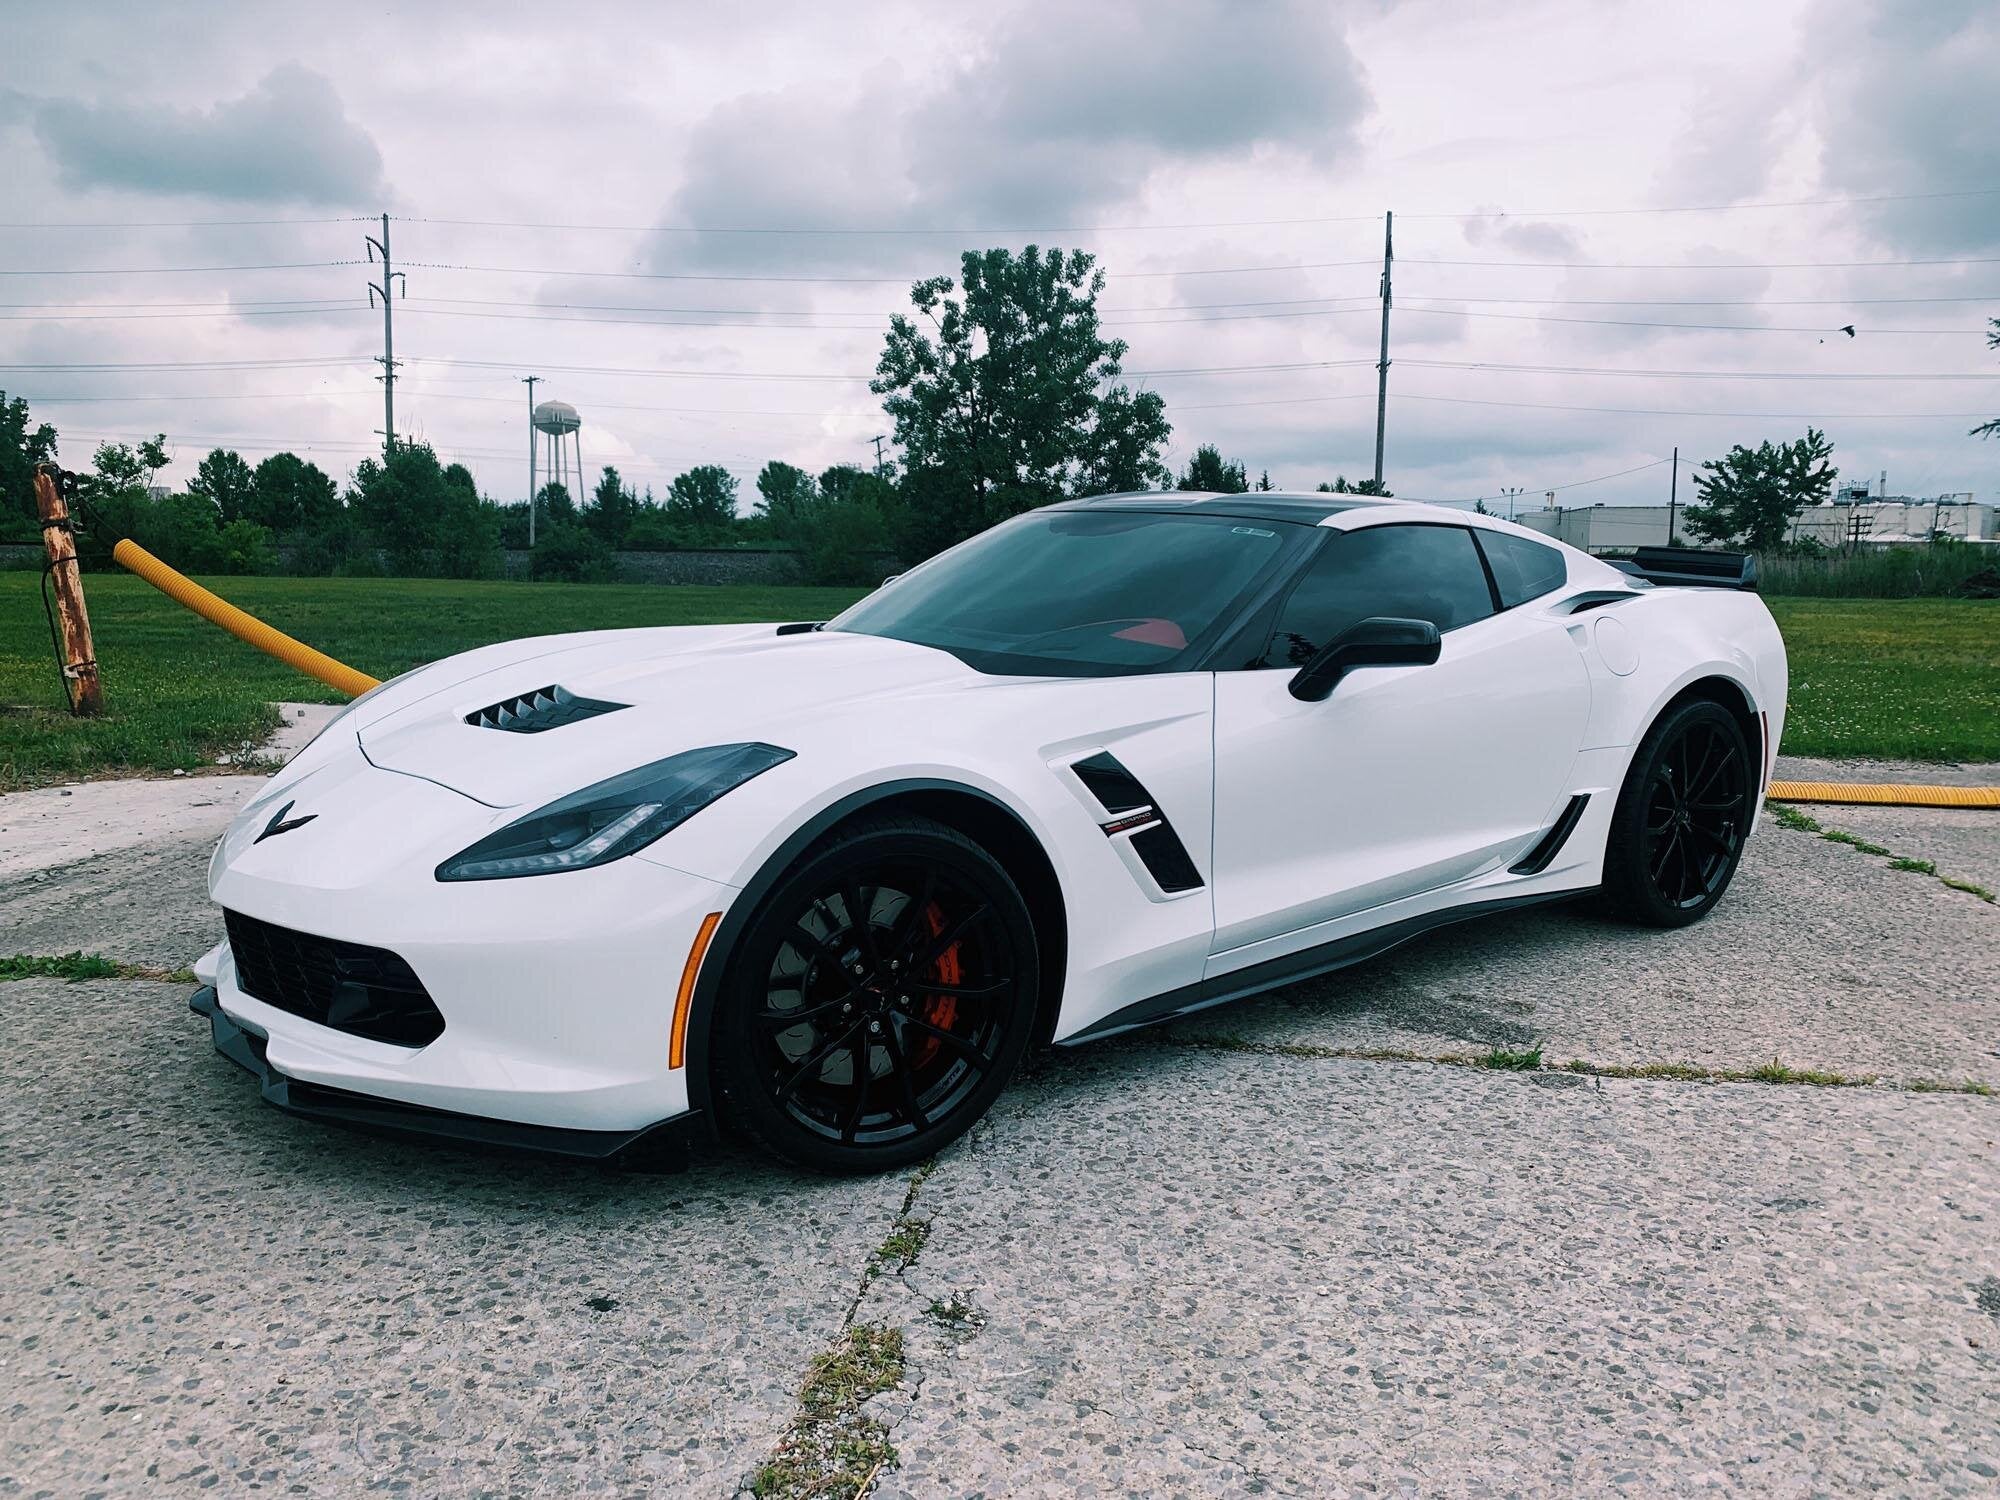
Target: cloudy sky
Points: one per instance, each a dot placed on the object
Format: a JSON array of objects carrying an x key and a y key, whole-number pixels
[{"x": 1620, "y": 227}]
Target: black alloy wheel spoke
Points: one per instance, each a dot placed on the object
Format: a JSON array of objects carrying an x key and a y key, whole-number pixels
[
  {"x": 899, "y": 1058},
  {"x": 910, "y": 926},
  {"x": 952, "y": 1041},
  {"x": 816, "y": 949},
  {"x": 799, "y": 1016},
  {"x": 812, "y": 1065},
  {"x": 862, "y": 1051},
  {"x": 860, "y": 920},
  {"x": 953, "y": 933}
]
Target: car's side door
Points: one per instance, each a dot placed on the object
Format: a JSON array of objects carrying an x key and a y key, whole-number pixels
[{"x": 1405, "y": 779}]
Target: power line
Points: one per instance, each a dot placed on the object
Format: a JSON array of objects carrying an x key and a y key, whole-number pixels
[
  {"x": 1367, "y": 218},
  {"x": 1716, "y": 301},
  {"x": 288, "y": 265},
  {"x": 1773, "y": 265},
  {"x": 1515, "y": 369},
  {"x": 1450, "y": 312},
  {"x": 174, "y": 223},
  {"x": 1574, "y": 484},
  {"x": 200, "y": 364},
  {"x": 1633, "y": 411}
]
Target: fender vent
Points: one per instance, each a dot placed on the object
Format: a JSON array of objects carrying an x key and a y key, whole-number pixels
[
  {"x": 1133, "y": 813},
  {"x": 545, "y": 708}
]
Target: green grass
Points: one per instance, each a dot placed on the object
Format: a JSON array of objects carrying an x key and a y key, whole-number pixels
[
  {"x": 1870, "y": 677},
  {"x": 1907, "y": 679},
  {"x": 831, "y": 1448},
  {"x": 178, "y": 692},
  {"x": 76, "y": 966}
]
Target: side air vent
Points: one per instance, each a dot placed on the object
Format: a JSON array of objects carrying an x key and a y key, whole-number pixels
[
  {"x": 543, "y": 709},
  {"x": 1133, "y": 814},
  {"x": 1549, "y": 845}
]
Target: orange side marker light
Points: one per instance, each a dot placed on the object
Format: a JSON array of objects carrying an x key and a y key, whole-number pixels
[{"x": 684, "y": 1001}]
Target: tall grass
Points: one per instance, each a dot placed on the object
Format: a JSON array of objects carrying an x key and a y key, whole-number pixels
[{"x": 1918, "y": 572}]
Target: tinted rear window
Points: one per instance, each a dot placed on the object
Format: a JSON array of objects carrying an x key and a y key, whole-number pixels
[{"x": 1522, "y": 570}]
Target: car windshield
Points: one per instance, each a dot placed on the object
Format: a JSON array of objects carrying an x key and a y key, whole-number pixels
[{"x": 1080, "y": 592}]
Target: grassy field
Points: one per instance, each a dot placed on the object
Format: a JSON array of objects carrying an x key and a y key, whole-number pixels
[
  {"x": 179, "y": 692},
  {"x": 1916, "y": 678}
]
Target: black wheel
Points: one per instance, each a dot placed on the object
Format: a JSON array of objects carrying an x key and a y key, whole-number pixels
[
  {"x": 879, "y": 1000},
  {"x": 1678, "y": 830}
]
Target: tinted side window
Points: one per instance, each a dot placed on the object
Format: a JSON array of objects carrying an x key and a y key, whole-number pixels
[
  {"x": 1408, "y": 572},
  {"x": 1522, "y": 570}
]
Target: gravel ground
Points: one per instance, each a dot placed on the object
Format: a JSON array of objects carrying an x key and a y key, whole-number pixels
[{"x": 1191, "y": 1271}]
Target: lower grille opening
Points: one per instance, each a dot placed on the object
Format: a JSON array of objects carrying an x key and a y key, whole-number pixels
[{"x": 365, "y": 992}]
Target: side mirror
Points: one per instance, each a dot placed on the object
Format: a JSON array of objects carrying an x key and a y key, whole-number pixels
[{"x": 1377, "y": 642}]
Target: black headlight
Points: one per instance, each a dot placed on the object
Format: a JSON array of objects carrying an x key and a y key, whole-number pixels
[{"x": 613, "y": 818}]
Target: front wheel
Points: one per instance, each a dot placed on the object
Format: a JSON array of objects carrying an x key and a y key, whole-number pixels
[
  {"x": 1682, "y": 816},
  {"x": 880, "y": 998}
]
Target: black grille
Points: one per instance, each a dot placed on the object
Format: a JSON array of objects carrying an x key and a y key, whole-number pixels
[
  {"x": 545, "y": 708},
  {"x": 366, "y": 992}
]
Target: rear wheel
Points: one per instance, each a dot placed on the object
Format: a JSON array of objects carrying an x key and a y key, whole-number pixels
[
  {"x": 1678, "y": 830},
  {"x": 879, "y": 1000}
]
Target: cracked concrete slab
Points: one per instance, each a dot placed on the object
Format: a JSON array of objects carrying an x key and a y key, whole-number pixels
[
  {"x": 196, "y": 1289},
  {"x": 1963, "y": 842},
  {"x": 1819, "y": 955},
  {"x": 1207, "y": 1274}
]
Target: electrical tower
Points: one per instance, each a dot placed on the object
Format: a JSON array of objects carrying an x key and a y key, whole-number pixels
[
  {"x": 1382, "y": 366},
  {"x": 390, "y": 276}
]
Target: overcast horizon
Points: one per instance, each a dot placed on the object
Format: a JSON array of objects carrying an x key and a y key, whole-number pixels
[{"x": 695, "y": 226}]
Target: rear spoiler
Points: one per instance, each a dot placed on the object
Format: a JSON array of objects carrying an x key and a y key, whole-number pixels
[{"x": 1690, "y": 566}]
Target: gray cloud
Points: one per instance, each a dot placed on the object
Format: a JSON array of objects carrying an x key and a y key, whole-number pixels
[
  {"x": 287, "y": 140},
  {"x": 1057, "y": 117},
  {"x": 1906, "y": 104}
]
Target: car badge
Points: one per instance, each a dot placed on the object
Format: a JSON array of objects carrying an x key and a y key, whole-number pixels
[{"x": 281, "y": 824}]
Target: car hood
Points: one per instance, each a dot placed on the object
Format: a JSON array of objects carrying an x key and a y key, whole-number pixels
[{"x": 681, "y": 688}]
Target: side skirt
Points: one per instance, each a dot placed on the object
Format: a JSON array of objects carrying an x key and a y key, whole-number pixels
[{"x": 1308, "y": 963}]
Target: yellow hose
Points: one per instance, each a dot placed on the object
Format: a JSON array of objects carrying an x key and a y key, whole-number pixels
[
  {"x": 1885, "y": 794},
  {"x": 185, "y": 591}
]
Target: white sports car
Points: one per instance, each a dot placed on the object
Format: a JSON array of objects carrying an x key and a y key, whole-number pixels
[{"x": 1110, "y": 762}]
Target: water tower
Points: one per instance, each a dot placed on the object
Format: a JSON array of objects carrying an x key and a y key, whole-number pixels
[{"x": 554, "y": 421}]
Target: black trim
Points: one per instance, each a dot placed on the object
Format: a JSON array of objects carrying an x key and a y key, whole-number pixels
[
  {"x": 1698, "y": 567},
  {"x": 1116, "y": 789},
  {"x": 659, "y": 1146},
  {"x": 1252, "y": 506},
  {"x": 715, "y": 965},
  {"x": 799, "y": 627},
  {"x": 539, "y": 711},
  {"x": 1275, "y": 973},
  {"x": 349, "y": 987},
  {"x": 1549, "y": 845}
]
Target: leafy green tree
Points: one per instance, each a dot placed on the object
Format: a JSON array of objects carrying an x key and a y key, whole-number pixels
[
  {"x": 556, "y": 508},
  {"x": 612, "y": 510},
  {"x": 226, "y": 482},
  {"x": 1340, "y": 486},
  {"x": 782, "y": 489},
  {"x": 289, "y": 494},
  {"x": 1752, "y": 495},
  {"x": 702, "y": 500},
  {"x": 22, "y": 446},
  {"x": 1992, "y": 428},
  {"x": 1210, "y": 472},
  {"x": 427, "y": 520},
  {"x": 1011, "y": 398}
]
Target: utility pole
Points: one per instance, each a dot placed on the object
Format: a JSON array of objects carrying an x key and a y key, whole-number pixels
[
  {"x": 1382, "y": 366},
  {"x": 878, "y": 440},
  {"x": 1673, "y": 495},
  {"x": 529, "y": 382},
  {"x": 381, "y": 289},
  {"x": 72, "y": 620},
  {"x": 1513, "y": 495}
]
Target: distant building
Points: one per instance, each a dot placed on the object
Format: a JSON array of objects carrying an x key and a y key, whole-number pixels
[{"x": 1900, "y": 519}]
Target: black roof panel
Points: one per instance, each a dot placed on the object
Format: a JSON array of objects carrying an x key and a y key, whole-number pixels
[{"x": 1254, "y": 506}]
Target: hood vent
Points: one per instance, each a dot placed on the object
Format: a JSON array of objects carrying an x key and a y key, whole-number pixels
[{"x": 545, "y": 708}]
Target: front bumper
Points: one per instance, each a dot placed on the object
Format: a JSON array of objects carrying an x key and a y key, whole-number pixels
[{"x": 663, "y": 1146}]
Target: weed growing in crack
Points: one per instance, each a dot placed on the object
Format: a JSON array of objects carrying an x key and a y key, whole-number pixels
[
  {"x": 900, "y": 1249},
  {"x": 1914, "y": 866},
  {"x": 1970, "y": 888},
  {"x": 1791, "y": 817},
  {"x": 1777, "y": 1072},
  {"x": 1861, "y": 845},
  {"x": 77, "y": 966},
  {"x": 1508, "y": 1061},
  {"x": 956, "y": 1315},
  {"x": 832, "y": 1447}
]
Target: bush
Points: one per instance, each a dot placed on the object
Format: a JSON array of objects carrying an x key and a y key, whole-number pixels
[
  {"x": 1939, "y": 570},
  {"x": 571, "y": 554},
  {"x": 839, "y": 542}
]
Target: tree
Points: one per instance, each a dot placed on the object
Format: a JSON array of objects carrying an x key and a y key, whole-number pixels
[
  {"x": 21, "y": 447},
  {"x": 1011, "y": 399},
  {"x": 702, "y": 499},
  {"x": 783, "y": 489},
  {"x": 612, "y": 509},
  {"x": 1992, "y": 428},
  {"x": 289, "y": 494},
  {"x": 1751, "y": 495},
  {"x": 1208, "y": 471},
  {"x": 427, "y": 520},
  {"x": 1264, "y": 485},
  {"x": 1340, "y": 486},
  {"x": 556, "y": 506},
  {"x": 226, "y": 482}
]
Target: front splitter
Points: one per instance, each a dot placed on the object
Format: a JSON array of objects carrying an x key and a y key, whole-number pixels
[{"x": 659, "y": 1147}]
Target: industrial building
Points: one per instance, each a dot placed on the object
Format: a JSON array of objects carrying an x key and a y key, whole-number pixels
[{"x": 1847, "y": 521}]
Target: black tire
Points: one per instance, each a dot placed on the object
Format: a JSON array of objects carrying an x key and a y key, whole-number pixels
[
  {"x": 910, "y": 1022},
  {"x": 1682, "y": 816}
]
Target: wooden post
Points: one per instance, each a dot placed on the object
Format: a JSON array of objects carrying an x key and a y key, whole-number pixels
[{"x": 79, "y": 655}]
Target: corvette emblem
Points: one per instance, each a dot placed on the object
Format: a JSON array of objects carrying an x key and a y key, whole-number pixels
[{"x": 281, "y": 824}]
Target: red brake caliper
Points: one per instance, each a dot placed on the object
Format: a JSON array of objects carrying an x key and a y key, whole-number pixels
[{"x": 939, "y": 1010}]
